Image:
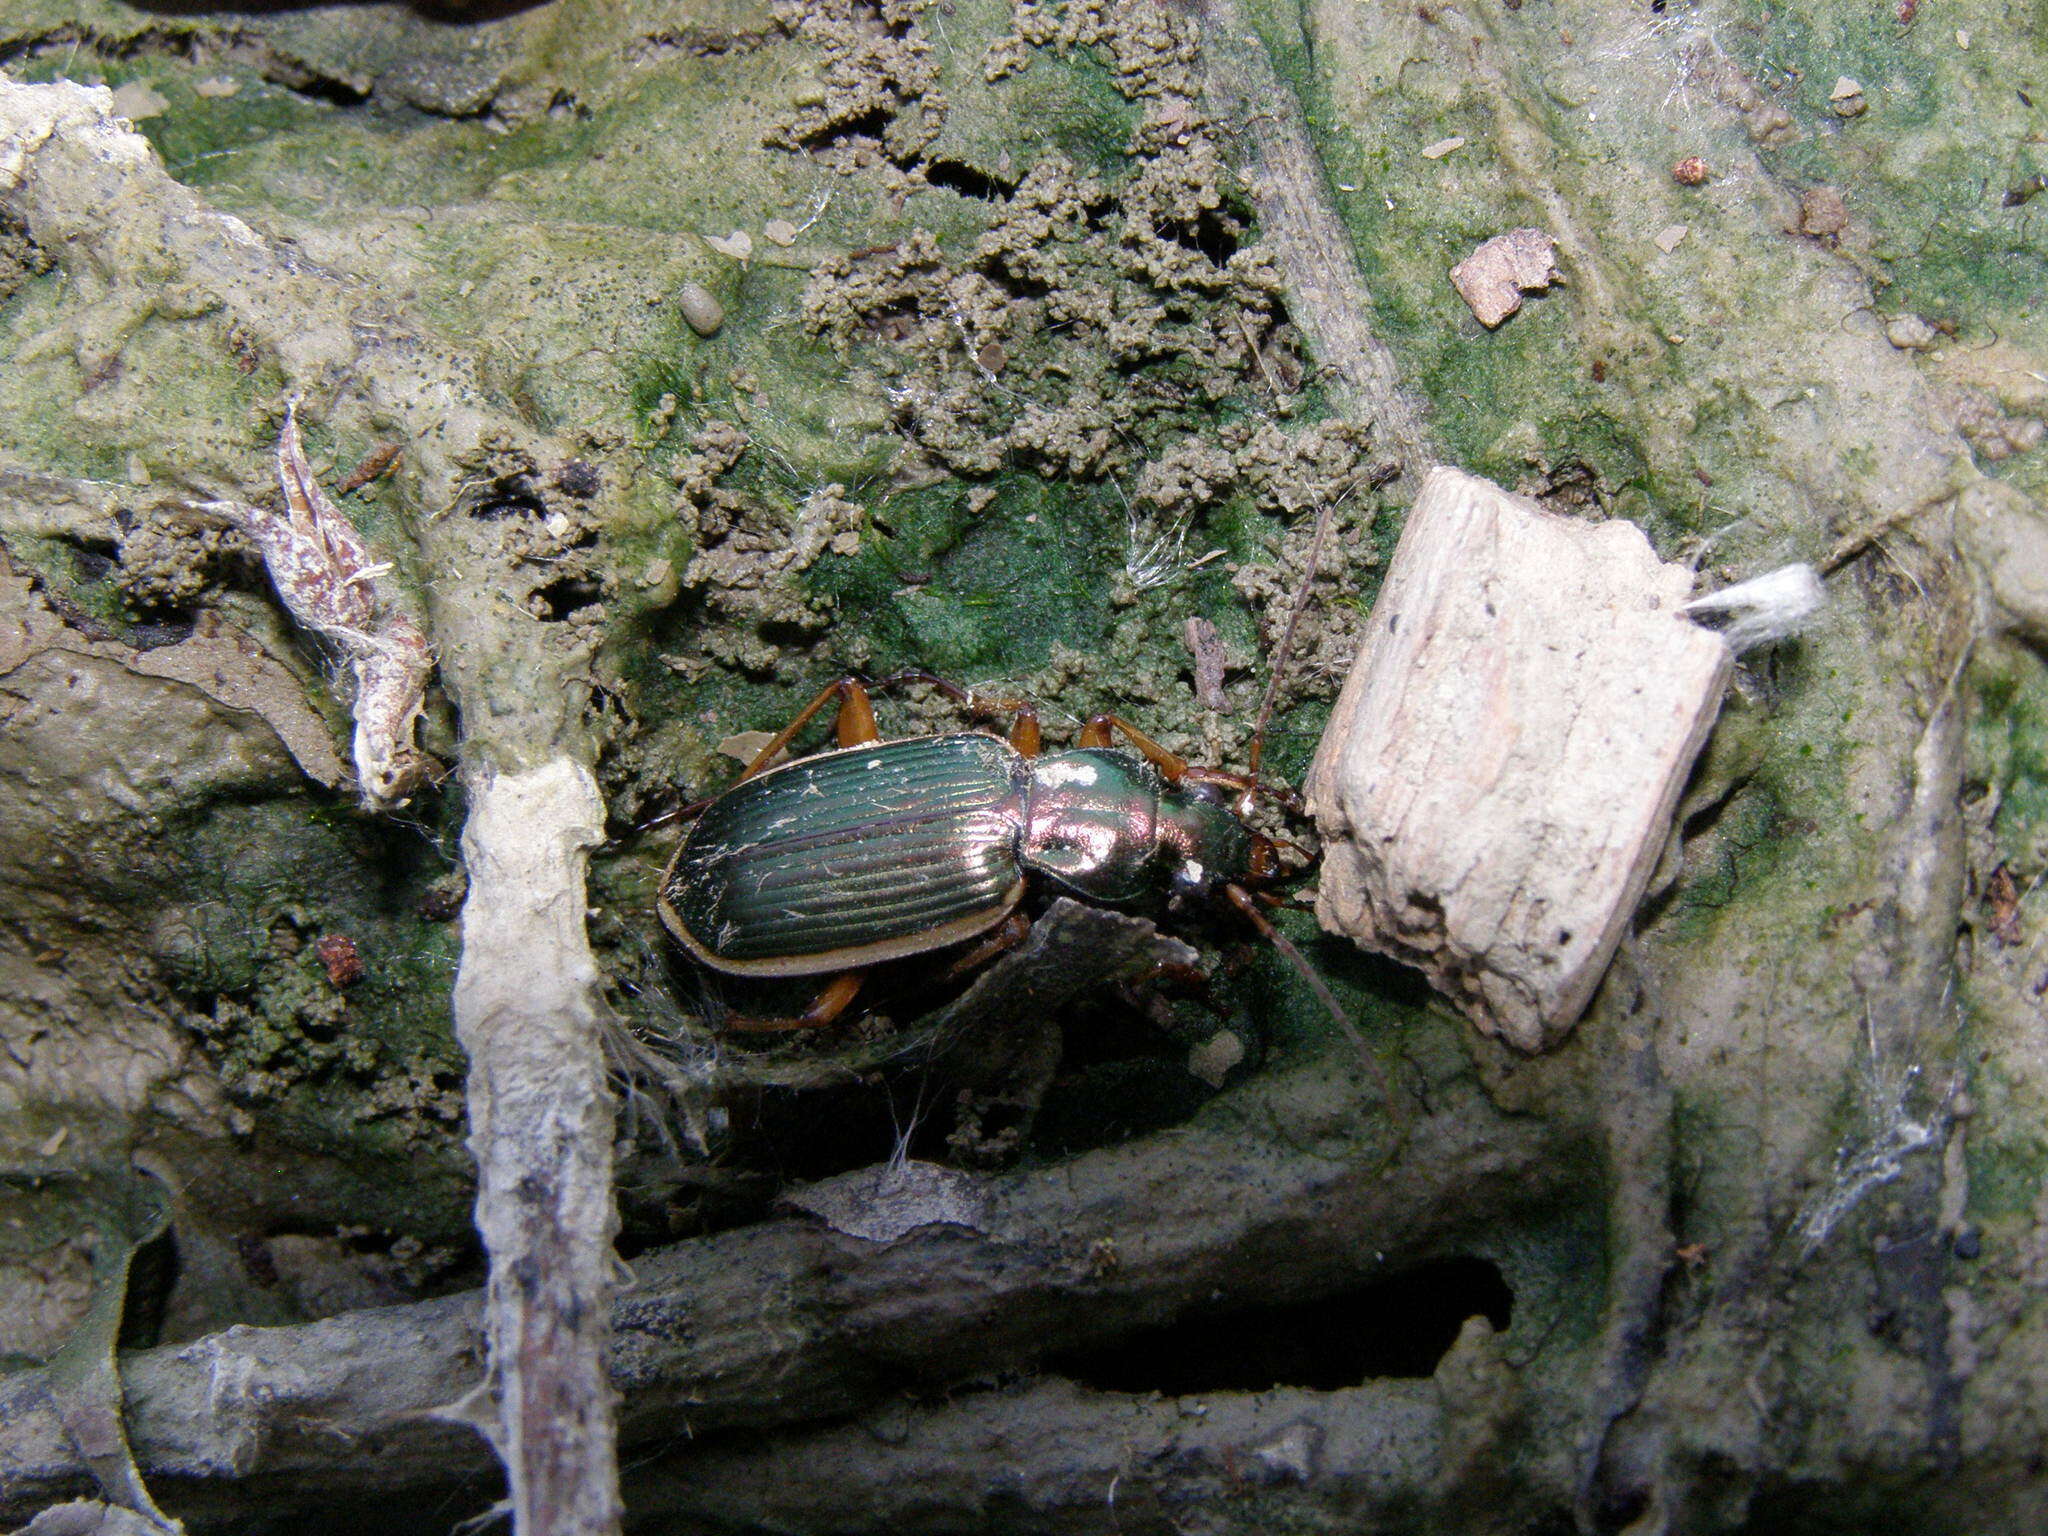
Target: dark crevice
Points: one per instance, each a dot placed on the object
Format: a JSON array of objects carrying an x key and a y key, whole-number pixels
[
  {"x": 871, "y": 124},
  {"x": 448, "y": 12},
  {"x": 701, "y": 42},
  {"x": 496, "y": 508},
  {"x": 564, "y": 595},
  {"x": 896, "y": 322},
  {"x": 958, "y": 176},
  {"x": 312, "y": 85},
  {"x": 93, "y": 560},
  {"x": 190, "y": 45},
  {"x": 152, "y": 1271},
  {"x": 1397, "y": 1327},
  {"x": 996, "y": 271},
  {"x": 1210, "y": 234}
]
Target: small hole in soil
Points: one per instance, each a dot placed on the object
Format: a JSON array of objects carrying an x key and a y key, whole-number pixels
[
  {"x": 1209, "y": 233},
  {"x": 957, "y": 176},
  {"x": 1401, "y": 1326},
  {"x": 504, "y": 504},
  {"x": 559, "y": 599},
  {"x": 871, "y": 124}
]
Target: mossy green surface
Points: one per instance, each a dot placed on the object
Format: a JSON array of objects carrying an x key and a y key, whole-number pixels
[{"x": 536, "y": 193}]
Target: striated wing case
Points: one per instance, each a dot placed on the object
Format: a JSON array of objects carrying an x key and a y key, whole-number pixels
[{"x": 852, "y": 857}]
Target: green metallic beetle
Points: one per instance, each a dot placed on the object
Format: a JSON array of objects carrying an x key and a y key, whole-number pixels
[{"x": 881, "y": 850}]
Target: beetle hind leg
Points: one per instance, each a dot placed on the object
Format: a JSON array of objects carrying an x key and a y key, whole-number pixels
[
  {"x": 856, "y": 722},
  {"x": 1006, "y": 935}
]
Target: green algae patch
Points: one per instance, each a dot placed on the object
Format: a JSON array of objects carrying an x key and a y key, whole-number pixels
[
  {"x": 2009, "y": 753},
  {"x": 316, "y": 969},
  {"x": 1004, "y": 385}
]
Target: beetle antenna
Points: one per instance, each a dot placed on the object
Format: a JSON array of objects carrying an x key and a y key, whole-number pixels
[
  {"x": 1242, "y": 900},
  {"x": 1325, "y": 515}
]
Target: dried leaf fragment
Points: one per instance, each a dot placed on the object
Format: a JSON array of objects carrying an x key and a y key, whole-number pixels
[
  {"x": 744, "y": 746},
  {"x": 326, "y": 578},
  {"x": 882, "y": 1203},
  {"x": 2002, "y": 898},
  {"x": 1206, "y": 647},
  {"x": 739, "y": 245},
  {"x": 1494, "y": 277}
]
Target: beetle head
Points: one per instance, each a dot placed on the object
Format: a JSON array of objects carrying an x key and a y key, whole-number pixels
[{"x": 1205, "y": 842}]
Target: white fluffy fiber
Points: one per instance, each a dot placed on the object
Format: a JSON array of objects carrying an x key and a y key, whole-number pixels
[{"x": 1773, "y": 606}]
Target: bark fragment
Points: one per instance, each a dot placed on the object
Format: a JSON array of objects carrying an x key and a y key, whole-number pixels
[
  {"x": 1494, "y": 277},
  {"x": 1499, "y": 774}
]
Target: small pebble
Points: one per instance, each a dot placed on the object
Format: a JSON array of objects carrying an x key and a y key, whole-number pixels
[
  {"x": 137, "y": 100},
  {"x": 779, "y": 232},
  {"x": 1690, "y": 172},
  {"x": 1910, "y": 333},
  {"x": 1822, "y": 212},
  {"x": 704, "y": 312},
  {"x": 1499, "y": 271},
  {"x": 1212, "y": 1060},
  {"x": 1847, "y": 98},
  {"x": 1444, "y": 147},
  {"x": 338, "y": 953},
  {"x": 580, "y": 479}
]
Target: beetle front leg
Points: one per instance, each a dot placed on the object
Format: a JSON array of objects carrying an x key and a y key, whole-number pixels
[
  {"x": 1096, "y": 734},
  {"x": 830, "y": 1002}
]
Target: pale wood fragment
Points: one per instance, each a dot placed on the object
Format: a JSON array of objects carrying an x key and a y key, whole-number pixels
[
  {"x": 1498, "y": 777},
  {"x": 1494, "y": 277}
]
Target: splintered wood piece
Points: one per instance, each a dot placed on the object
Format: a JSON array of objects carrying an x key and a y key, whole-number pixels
[{"x": 1498, "y": 778}]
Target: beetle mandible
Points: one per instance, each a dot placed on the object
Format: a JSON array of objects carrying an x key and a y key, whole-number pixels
[{"x": 884, "y": 849}]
